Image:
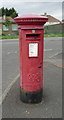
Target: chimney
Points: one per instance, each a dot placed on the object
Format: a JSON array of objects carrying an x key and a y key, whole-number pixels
[{"x": 45, "y": 14}]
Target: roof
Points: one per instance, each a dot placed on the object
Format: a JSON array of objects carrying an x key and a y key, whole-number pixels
[
  {"x": 3, "y": 19},
  {"x": 52, "y": 19}
]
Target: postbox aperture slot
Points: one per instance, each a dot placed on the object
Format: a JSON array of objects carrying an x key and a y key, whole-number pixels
[{"x": 32, "y": 36}]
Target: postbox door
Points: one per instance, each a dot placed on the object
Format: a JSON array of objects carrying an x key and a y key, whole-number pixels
[{"x": 31, "y": 59}]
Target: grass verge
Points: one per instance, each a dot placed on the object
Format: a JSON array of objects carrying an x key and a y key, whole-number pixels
[
  {"x": 53, "y": 35},
  {"x": 9, "y": 36},
  {"x": 17, "y": 36}
]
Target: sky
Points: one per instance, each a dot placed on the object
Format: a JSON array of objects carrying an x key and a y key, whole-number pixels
[{"x": 35, "y": 7}]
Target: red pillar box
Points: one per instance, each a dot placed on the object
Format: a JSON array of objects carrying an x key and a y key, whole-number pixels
[{"x": 31, "y": 37}]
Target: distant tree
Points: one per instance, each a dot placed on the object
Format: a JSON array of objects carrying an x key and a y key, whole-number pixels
[
  {"x": 13, "y": 13},
  {"x": 8, "y": 12},
  {"x": 0, "y": 12}
]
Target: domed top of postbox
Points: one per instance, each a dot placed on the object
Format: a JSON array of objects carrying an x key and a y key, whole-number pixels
[{"x": 31, "y": 19}]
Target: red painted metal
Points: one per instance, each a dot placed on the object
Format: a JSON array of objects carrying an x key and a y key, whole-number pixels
[{"x": 31, "y": 30}]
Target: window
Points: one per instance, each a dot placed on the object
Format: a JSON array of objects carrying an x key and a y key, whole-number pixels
[
  {"x": 14, "y": 27},
  {"x": 5, "y": 28}
]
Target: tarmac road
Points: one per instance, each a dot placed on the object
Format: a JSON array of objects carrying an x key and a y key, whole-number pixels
[
  {"x": 10, "y": 61},
  {"x": 53, "y": 85}
]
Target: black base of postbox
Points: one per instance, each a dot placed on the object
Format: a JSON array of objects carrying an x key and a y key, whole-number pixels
[{"x": 31, "y": 97}]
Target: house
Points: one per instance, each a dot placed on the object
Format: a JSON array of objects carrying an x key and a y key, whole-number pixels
[
  {"x": 11, "y": 28},
  {"x": 52, "y": 20}
]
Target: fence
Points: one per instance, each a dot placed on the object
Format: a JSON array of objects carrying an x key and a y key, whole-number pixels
[{"x": 54, "y": 29}]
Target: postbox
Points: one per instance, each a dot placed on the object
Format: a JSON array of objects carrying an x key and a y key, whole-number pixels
[{"x": 31, "y": 43}]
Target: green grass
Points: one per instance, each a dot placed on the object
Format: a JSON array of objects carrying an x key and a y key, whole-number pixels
[
  {"x": 9, "y": 36},
  {"x": 53, "y": 35},
  {"x": 17, "y": 36}
]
